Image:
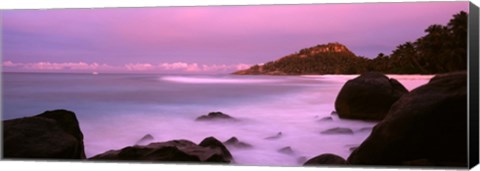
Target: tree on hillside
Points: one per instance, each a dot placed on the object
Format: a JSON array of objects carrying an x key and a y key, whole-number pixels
[
  {"x": 458, "y": 29},
  {"x": 442, "y": 49}
]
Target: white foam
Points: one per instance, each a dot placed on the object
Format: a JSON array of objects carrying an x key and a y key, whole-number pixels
[{"x": 209, "y": 80}]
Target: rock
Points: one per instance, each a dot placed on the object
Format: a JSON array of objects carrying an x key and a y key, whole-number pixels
[
  {"x": 176, "y": 150},
  {"x": 368, "y": 97},
  {"x": 144, "y": 139},
  {"x": 279, "y": 134},
  {"x": 338, "y": 130},
  {"x": 426, "y": 126},
  {"x": 214, "y": 116},
  {"x": 209, "y": 150},
  {"x": 286, "y": 150},
  {"x": 234, "y": 142},
  {"x": 51, "y": 135},
  {"x": 328, "y": 118},
  {"x": 326, "y": 159},
  {"x": 334, "y": 113},
  {"x": 213, "y": 143}
]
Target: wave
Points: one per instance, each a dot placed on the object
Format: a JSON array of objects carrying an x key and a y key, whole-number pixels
[{"x": 207, "y": 80}]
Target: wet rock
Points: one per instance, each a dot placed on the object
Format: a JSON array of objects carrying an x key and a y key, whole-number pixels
[
  {"x": 279, "y": 135},
  {"x": 328, "y": 118},
  {"x": 215, "y": 116},
  {"x": 51, "y": 135},
  {"x": 286, "y": 150},
  {"x": 338, "y": 130},
  {"x": 212, "y": 142},
  {"x": 209, "y": 150},
  {"x": 368, "y": 97},
  {"x": 425, "y": 127},
  {"x": 234, "y": 142},
  {"x": 326, "y": 159}
]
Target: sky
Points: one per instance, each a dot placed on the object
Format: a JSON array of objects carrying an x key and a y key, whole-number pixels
[{"x": 217, "y": 39}]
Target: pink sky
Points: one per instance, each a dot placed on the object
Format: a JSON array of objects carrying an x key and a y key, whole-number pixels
[{"x": 205, "y": 39}]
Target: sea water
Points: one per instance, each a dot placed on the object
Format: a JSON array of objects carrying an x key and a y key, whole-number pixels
[{"x": 116, "y": 110}]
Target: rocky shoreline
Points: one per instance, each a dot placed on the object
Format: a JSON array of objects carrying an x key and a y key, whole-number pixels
[{"x": 423, "y": 127}]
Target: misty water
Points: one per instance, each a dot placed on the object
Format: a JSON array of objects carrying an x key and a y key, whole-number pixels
[{"x": 116, "y": 110}]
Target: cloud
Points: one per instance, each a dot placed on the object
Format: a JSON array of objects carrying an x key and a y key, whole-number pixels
[
  {"x": 9, "y": 64},
  {"x": 194, "y": 67},
  {"x": 130, "y": 67},
  {"x": 52, "y": 66},
  {"x": 242, "y": 66},
  {"x": 179, "y": 66},
  {"x": 139, "y": 67}
]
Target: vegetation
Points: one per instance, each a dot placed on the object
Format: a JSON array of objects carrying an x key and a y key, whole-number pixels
[
  {"x": 443, "y": 49},
  {"x": 333, "y": 58}
]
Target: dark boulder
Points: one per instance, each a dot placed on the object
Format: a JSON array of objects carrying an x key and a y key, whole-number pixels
[
  {"x": 368, "y": 97},
  {"x": 175, "y": 150},
  {"x": 234, "y": 142},
  {"x": 215, "y": 116},
  {"x": 338, "y": 130},
  {"x": 214, "y": 144},
  {"x": 426, "y": 126},
  {"x": 326, "y": 159},
  {"x": 51, "y": 135},
  {"x": 171, "y": 151}
]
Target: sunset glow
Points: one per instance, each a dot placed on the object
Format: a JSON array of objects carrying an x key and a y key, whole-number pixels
[{"x": 204, "y": 39}]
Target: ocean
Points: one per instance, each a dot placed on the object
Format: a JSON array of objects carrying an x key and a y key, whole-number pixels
[{"x": 116, "y": 110}]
